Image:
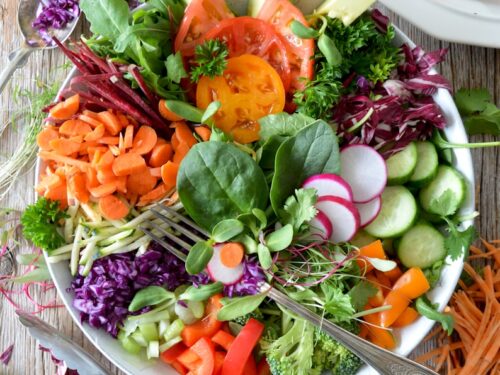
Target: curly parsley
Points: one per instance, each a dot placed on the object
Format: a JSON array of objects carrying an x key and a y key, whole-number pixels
[{"x": 210, "y": 59}]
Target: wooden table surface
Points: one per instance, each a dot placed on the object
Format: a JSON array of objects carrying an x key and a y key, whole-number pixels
[{"x": 465, "y": 66}]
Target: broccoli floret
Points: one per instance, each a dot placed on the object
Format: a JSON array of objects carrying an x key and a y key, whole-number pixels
[
  {"x": 348, "y": 363},
  {"x": 350, "y": 325},
  {"x": 256, "y": 314},
  {"x": 291, "y": 354}
]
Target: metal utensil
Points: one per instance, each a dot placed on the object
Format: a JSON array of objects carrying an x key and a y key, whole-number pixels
[
  {"x": 62, "y": 347},
  {"x": 26, "y": 14},
  {"x": 382, "y": 360}
]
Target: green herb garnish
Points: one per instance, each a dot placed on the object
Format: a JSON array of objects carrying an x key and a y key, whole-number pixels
[{"x": 210, "y": 58}]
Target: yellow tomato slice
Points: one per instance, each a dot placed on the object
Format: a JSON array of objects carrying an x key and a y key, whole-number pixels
[{"x": 249, "y": 89}]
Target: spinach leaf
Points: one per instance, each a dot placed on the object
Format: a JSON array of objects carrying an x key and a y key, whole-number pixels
[
  {"x": 108, "y": 18},
  {"x": 312, "y": 151},
  {"x": 217, "y": 181},
  {"x": 239, "y": 306},
  {"x": 151, "y": 295},
  {"x": 282, "y": 124}
]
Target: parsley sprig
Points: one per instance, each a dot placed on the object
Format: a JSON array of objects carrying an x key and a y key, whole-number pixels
[
  {"x": 40, "y": 221},
  {"x": 210, "y": 59}
]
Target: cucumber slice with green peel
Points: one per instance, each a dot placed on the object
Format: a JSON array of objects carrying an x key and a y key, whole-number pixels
[
  {"x": 398, "y": 213},
  {"x": 445, "y": 193},
  {"x": 427, "y": 164},
  {"x": 400, "y": 166},
  {"x": 421, "y": 246}
]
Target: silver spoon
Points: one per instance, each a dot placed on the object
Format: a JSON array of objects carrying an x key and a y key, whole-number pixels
[{"x": 26, "y": 14}]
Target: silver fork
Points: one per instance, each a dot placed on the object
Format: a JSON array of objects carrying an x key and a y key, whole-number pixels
[{"x": 382, "y": 360}]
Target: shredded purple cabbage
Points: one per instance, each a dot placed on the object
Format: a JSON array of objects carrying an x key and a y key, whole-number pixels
[
  {"x": 104, "y": 295},
  {"x": 249, "y": 284},
  {"x": 61, "y": 367},
  {"x": 7, "y": 355},
  {"x": 391, "y": 115},
  {"x": 55, "y": 14}
]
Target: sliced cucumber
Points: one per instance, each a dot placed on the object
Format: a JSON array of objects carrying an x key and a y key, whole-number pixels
[
  {"x": 398, "y": 213},
  {"x": 421, "y": 246},
  {"x": 449, "y": 185},
  {"x": 401, "y": 165},
  {"x": 427, "y": 164},
  {"x": 362, "y": 239}
]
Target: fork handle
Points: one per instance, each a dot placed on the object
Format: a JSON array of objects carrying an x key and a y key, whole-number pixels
[
  {"x": 17, "y": 59},
  {"x": 382, "y": 360}
]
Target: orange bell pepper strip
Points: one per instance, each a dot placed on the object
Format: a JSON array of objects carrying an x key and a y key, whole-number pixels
[
  {"x": 373, "y": 250},
  {"x": 406, "y": 318},
  {"x": 207, "y": 326},
  {"x": 412, "y": 283},
  {"x": 399, "y": 303}
]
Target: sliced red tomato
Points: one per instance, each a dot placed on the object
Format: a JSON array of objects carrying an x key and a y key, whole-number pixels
[
  {"x": 280, "y": 14},
  {"x": 248, "y": 35},
  {"x": 200, "y": 16}
]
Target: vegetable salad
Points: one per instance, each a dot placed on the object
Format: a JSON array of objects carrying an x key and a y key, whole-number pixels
[{"x": 306, "y": 147}]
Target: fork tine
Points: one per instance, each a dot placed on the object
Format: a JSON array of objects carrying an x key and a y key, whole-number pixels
[
  {"x": 171, "y": 236},
  {"x": 179, "y": 254},
  {"x": 183, "y": 219},
  {"x": 176, "y": 226}
]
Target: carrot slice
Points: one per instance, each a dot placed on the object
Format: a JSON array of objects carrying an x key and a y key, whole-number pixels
[
  {"x": 141, "y": 183},
  {"x": 155, "y": 172},
  {"x": 103, "y": 190},
  {"x": 109, "y": 141},
  {"x": 154, "y": 195},
  {"x": 123, "y": 119},
  {"x": 74, "y": 127},
  {"x": 203, "y": 132},
  {"x": 144, "y": 140},
  {"x": 106, "y": 175},
  {"x": 110, "y": 121},
  {"x": 59, "y": 193},
  {"x": 128, "y": 164},
  {"x": 45, "y": 136},
  {"x": 167, "y": 113},
  {"x": 231, "y": 254},
  {"x": 175, "y": 142},
  {"x": 160, "y": 155},
  {"x": 160, "y": 141},
  {"x": 94, "y": 122},
  {"x": 91, "y": 180},
  {"x": 106, "y": 160},
  {"x": 406, "y": 318},
  {"x": 181, "y": 152},
  {"x": 113, "y": 208},
  {"x": 169, "y": 174},
  {"x": 47, "y": 155},
  {"x": 95, "y": 134},
  {"x": 129, "y": 137},
  {"x": 121, "y": 184},
  {"x": 66, "y": 109},
  {"x": 184, "y": 133},
  {"x": 77, "y": 186},
  {"x": 64, "y": 146}
]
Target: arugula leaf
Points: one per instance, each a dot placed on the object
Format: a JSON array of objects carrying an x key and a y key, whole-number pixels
[
  {"x": 480, "y": 114},
  {"x": 282, "y": 124},
  {"x": 457, "y": 243},
  {"x": 425, "y": 308},
  {"x": 361, "y": 293},
  {"x": 299, "y": 209},
  {"x": 175, "y": 67},
  {"x": 40, "y": 224},
  {"x": 210, "y": 59}
]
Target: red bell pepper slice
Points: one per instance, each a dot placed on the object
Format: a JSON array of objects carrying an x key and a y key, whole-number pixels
[
  {"x": 263, "y": 367},
  {"x": 218, "y": 362},
  {"x": 242, "y": 347},
  {"x": 170, "y": 355},
  {"x": 223, "y": 339},
  {"x": 207, "y": 326},
  {"x": 204, "y": 349}
]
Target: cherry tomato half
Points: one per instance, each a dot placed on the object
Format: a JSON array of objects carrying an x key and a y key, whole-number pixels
[
  {"x": 280, "y": 14},
  {"x": 249, "y": 89},
  {"x": 200, "y": 16},
  {"x": 248, "y": 35}
]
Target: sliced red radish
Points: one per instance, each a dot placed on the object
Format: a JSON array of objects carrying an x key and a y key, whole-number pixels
[
  {"x": 320, "y": 227},
  {"x": 364, "y": 169},
  {"x": 369, "y": 211},
  {"x": 329, "y": 184},
  {"x": 343, "y": 216},
  {"x": 219, "y": 272}
]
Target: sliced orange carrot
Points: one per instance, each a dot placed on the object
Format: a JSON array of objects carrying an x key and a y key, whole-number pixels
[
  {"x": 106, "y": 160},
  {"x": 77, "y": 186},
  {"x": 408, "y": 316},
  {"x": 160, "y": 141},
  {"x": 184, "y": 133},
  {"x": 160, "y": 155},
  {"x": 169, "y": 174},
  {"x": 175, "y": 142},
  {"x": 109, "y": 140},
  {"x": 123, "y": 119},
  {"x": 167, "y": 113},
  {"x": 74, "y": 127},
  {"x": 45, "y": 136},
  {"x": 129, "y": 137},
  {"x": 66, "y": 109},
  {"x": 154, "y": 195},
  {"x": 89, "y": 113},
  {"x": 91, "y": 180},
  {"x": 412, "y": 283},
  {"x": 94, "y": 122},
  {"x": 141, "y": 183},
  {"x": 76, "y": 138},
  {"x": 155, "y": 172},
  {"x": 128, "y": 164},
  {"x": 115, "y": 150},
  {"x": 180, "y": 153},
  {"x": 144, "y": 140},
  {"x": 231, "y": 254},
  {"x": 59, "y": 193},
  {"x": 95, "y": 153},
  {"x": 106, "y": 175},
  {"x": 48, "y": 155},
  {"x": 64, "y": 146},
  {"x": 112, "y": 208},
  {"x": 110, "y": 121},
  {"x": 203, "y": 132},
  {"x": 96, "y": 134},
  {"x": 121, "y": 184},
  {"x": 103, "y": 190}
]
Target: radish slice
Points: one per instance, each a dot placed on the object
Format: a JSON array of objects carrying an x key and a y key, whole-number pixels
[
  {"x": 342, "y": 214},
  {"x": 219, "y": 272},
  {"x": 365, "y": 171},
  {"x": 321, "y": 227},
  {"x": 369, "y": 211},
  {"x": 329, "y": 184}
]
